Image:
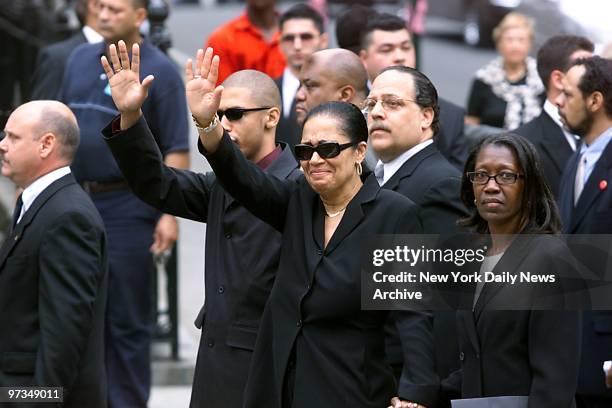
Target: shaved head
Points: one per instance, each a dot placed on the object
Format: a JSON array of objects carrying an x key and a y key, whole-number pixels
[
  {"x": 330, "y": 75},
  {"x": 343, "y": 67},
  {"x": 263, "y": 89}
]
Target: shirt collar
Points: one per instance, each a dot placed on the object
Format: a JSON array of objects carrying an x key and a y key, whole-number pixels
[
  {"x": 599, "y": 145},
  {"x": 91, "y": 35},
  {"x": 553, "y": 112},
  {"x": 244, "y": 24},
  {"x": 269, "y": 158},
  {"x": 39, "y": 185},
  {"x": 391, "y": 167}
]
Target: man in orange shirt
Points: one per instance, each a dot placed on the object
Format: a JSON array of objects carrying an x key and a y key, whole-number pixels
[{"x": 250, "y": 41}]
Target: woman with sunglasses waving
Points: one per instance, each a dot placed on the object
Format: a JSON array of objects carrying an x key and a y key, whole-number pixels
[{"x": 316, "y": 347}]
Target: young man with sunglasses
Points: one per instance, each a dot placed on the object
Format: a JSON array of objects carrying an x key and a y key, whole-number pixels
[
  {"x": 242, "y": 252},
  {"x": 302, "y": 32},
  {"x": 403, "y": 116}
]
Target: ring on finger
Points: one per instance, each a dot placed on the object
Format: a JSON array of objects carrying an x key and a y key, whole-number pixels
[
  {"x": 197, "y": 76},
  {"x": 118, "y": 70}
]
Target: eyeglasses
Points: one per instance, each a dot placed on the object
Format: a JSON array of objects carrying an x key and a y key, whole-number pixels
[
  {"x": 388, "y": 104},
  {"x": 233, "y": 114},
  {"x": 326, "y": 150},
  {"x": 503, "y": 178},
  {"x": 289, "y": 38}
]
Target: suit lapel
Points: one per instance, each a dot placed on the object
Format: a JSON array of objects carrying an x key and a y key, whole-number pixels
[
  {"x": 591, "y": 188},
  {"x": 409, "y": 167},
  {"x": 29, "y": 215},
  {"x": 354, "y": 212},
  {"x": 566, "y": 194},
  {"x": 470, "y": 327},
  {"x": 554, "y": 142},
  {"x": 509, "y": 262}
]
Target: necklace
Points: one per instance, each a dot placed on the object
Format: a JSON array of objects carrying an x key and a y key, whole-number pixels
[{"x": 335, "y": 214}]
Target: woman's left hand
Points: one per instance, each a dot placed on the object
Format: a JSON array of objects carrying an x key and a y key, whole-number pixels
[{"x": 398, "y": 403}]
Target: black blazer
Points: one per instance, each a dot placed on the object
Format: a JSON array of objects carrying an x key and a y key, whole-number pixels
[
  {"x": 591, "y": 215},
  {"x": 242, "y": 254},
  {"x": 53, "y": 272},
  {"x": 552, "y": 147},
  {"x": 534, "y": 353},
  {"x": 430, "y": 181},
  {"x": 288, "y": 131},
  {"x": 450, "y": 139},
  {"x": 50, "y": 65},
  {"x": 314, "y": 310}
]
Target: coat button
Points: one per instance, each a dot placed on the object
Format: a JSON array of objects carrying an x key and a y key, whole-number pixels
[
  {"x": 461, "y": 356},
  {"x": 228, "y": 235},
  {"x": 211, "y": 343},
  {"x": 221, "y": 289},
  {"x": 299, "y": 323},
  {"x": 307, "y": 286},
  {"x": 319, "y": 252}
]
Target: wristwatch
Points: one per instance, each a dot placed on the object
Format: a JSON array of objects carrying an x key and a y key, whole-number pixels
[{"x": 211, "y": 126}]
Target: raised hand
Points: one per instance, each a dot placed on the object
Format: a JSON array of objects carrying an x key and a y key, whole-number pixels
[
  {"x": 127, "y": 91},
  {"x": 203, "y": 96}
]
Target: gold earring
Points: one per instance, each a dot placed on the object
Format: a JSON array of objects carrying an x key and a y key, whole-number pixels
[{"x": 359, "y": 168}]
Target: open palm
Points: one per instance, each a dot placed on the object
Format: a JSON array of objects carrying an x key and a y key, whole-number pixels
[
  {"x": 127, "y": 91},
  {"x": 203, "y": 96}
]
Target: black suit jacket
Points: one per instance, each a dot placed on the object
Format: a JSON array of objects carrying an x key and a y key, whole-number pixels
[
  {"x": 429, "y": 180},
  {"x": 552, "y": 147},
  {"x": 534, "y": 353},
  {"x": 314, "y": 309},
  {"x": 53, "y": 295},
  {"x": 50, "y": 65},
  {"x": 450, "y": 139},
  {"x": 591, "y": 215},
  {"x": 288, "y": 131},
  {"x": 242, "y": 254}
]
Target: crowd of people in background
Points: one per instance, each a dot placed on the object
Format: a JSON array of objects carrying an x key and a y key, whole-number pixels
[{"x": 314, "y": 151}]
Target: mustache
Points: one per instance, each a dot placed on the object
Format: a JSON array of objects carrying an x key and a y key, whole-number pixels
[{"x": 378, "y": 126}]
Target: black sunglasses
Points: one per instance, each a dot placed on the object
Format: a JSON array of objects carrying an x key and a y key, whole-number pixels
[
  {"x": 233, "y": 114},
  {"x": 326, "y": 150}
]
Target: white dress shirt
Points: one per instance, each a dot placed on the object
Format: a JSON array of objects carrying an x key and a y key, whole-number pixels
[
  {"x": 91, "y": 35},
  {"x": 290, "y": 86},
  {"x": 38, "y": 186},
  {"x": 390, "y": 168}
]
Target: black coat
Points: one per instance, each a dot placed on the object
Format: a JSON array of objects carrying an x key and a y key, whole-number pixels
[
  {"x": 591, "y": 215},
  {"x": 50, "y": 65},
  {"x": 552, "y": 147},
  {"x": 242, "y": 254},
  {"x": 288, "y": 131},
  {"x": 450, "y": 139},
  {"x": 53, "y": 278},
  {"x": 314, "y": 309},
  {"x": 430, "y": 181},
  {"x": 533, "y": 353}
]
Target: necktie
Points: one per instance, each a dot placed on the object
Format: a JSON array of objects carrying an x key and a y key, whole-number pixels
[
  {"x": 379, "y": 172},
  {"x": 17, "y": 211},
  {"x": 579, "y": 182}
]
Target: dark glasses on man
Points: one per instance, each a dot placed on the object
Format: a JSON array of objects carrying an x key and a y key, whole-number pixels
[
  {"x": 325, "y": 150},
  {"x": 233, "y": 114}
]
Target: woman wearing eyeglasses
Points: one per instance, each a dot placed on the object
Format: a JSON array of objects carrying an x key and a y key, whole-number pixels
[
  {"x": 532, "y": 350},
  {"x": 316, "y": 346}
]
